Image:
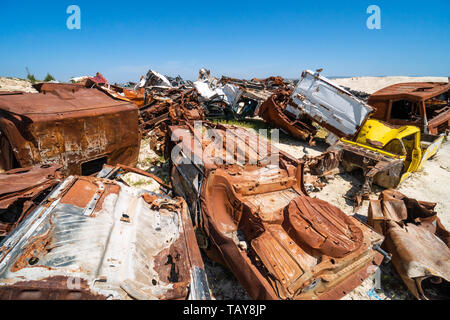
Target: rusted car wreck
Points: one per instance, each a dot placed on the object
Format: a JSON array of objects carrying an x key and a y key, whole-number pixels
[
  {"x": 164, "y": 107},
  {"x": 417, "y": 240},
  {"x": 422, "y": 104},
  {"x": 82, "y": 129},
  {"x": 386, "y": 154},
  {"x": 96, "y": 238},
  {"x": 257, "y": 219}
]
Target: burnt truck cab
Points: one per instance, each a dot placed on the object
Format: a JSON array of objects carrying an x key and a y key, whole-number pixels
[
  {"x": 82, "y": 129},
  {"x": 422, "y": 104}
]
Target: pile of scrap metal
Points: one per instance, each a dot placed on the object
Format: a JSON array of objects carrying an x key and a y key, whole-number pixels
[
  {"x": 96, "y": 238},
  {"x": 21, "y": 190},
  {"x": 252, "y": 213},
  {"x": 82, "y": 129},
  {"x": 361, "y": 95},
  {"x": 417, "y": 240},
  {"x": 165, "y": 107},
  {"x": 235, "y": 98},
  {"x": 387, "y": 154}
]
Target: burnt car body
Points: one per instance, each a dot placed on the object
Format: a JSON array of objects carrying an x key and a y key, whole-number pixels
[
  {"x": 422, "y": 104},
  {"x": 417, "y": 240},
  {"x": 258, "y": 220},
  {"x": 96, "y": 238},
  {"x": 82, "y": 129},
  {"x": 21, "y": 190}
]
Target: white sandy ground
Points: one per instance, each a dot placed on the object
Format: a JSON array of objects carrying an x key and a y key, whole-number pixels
[
  {"x": 15, "y": 84},
  {"x": 372, "y": 84}
]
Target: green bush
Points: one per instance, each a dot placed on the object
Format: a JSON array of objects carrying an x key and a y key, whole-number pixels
[
  {"x": 31, "y": 78},
  {"x": 49, "y": 78}
]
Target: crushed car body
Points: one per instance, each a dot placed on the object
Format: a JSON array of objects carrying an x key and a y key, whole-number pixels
[
  {"x": 417, "y": 240},
  {"x": 21, "y": 190},
  {"x": 235, "y": 98},
  {"x": 386, "y": 155},
  {"x": 96, "y": 238},
  {"x": 422, "y": 104},
  {"x": 79, "y": 128},
  {"x": 258, "y": 220}
]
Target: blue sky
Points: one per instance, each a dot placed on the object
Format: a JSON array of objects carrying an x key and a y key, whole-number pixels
[{"x": 235, "y": 38}]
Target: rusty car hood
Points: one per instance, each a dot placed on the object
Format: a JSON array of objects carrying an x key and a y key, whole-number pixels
[
  {"x": 61, "y": 100},
  {"x": 95, "y": 238}
]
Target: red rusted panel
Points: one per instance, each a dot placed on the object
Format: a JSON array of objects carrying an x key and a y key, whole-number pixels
[
  {"x": 21, "y": 190},
  {"x": 75, "y": 127},
  {"x": 417, "y": 241},
  {"x": 418, "y": 91},
  {"x": 258, "y": 220}
]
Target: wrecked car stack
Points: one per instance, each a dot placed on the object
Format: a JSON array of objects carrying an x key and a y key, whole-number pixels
[{"x": 235, "y": 98}]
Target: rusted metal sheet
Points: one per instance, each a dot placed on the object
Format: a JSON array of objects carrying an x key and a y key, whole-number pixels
[
  {"x": 21, "y": 190},
  {"x": 79, "y": 128},
  {"x": 275, "y": 112},
  {"x": 257, "y": 219},
  {"x": 417, "y": 240},
  {"x": 423, "y": 104},
  {"x": 95, "y": 238},
  {"x": 329, "y": 105}
]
